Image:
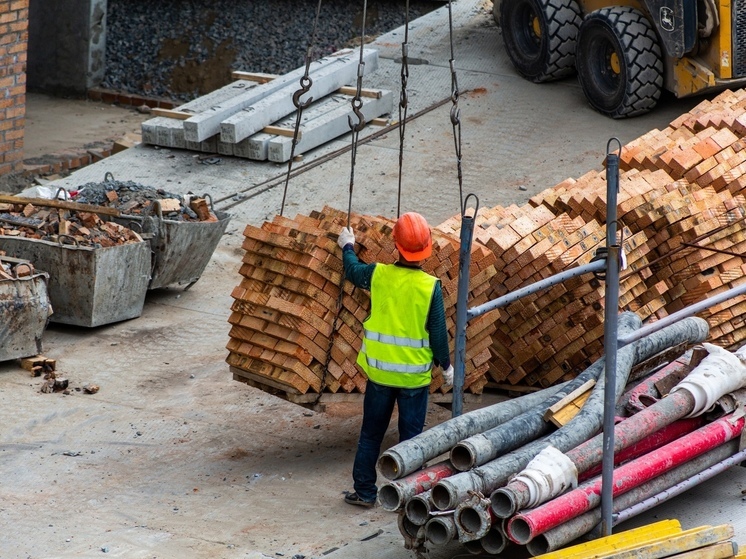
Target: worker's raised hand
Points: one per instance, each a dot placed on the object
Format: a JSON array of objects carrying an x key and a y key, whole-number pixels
[
  {"x": 448, "y": 375},
  {"x": 346, "y": 237}
]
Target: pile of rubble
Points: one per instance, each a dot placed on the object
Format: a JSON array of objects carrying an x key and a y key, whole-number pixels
[
  {"x": 134, "y": 199},
  {"x": 61, "y": 225}
]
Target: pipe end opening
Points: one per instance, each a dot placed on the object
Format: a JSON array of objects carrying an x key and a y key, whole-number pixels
[
  {"x": 519, "y": 530},
  {"x": 470, "y": 520},
  {"x": 417, "y": 511},
  {"x": 441, "y": 497},
  {"x": 503, "y": 503},
  {"x": 389, "y": 497},
  {"x": 494, "y": 541},
  {"x": 538, "y": 546},
  {"x": 461, "y": 458},
  {"x": 388, "y": 467},
  {"x": 437, "y": 533}
]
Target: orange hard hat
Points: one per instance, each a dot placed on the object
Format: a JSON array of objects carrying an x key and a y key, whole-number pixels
[{"x": 412, "y": 237}]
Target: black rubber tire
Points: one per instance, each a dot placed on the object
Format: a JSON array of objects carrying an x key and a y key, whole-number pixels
[
  {"x": 619, "y": 62},
  {"x": 540, "y": 37}
]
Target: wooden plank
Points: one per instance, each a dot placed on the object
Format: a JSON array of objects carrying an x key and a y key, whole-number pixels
[
  {"x": 371, "y": 93},
  {"x": 171, "y": 113},
  {"x": 60, "y": 204},
  {"x": 579, "y": 391},
  {"x": 253, "y": 76},
  {"x": 280, "y": 131}
]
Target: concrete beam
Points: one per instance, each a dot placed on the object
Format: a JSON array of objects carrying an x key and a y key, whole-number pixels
[
  {"x": 207, "y": 123},
  {"x": 328, "y": 126},
  {"x": 327, "y": 79}
]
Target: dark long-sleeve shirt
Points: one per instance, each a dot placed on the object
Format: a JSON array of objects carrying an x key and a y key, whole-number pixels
[{"x": 360, "y": 274}]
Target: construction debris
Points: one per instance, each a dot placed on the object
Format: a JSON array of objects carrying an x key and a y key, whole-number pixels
[
  {"x": 134, "y": 199},
  {"x": 82, "y": 228},
  {"x": 38, "y": 365},
  {"x": 24, "y": 307}
]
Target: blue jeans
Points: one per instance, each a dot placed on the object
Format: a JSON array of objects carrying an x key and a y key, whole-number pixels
[{"x": 377, "y": 409}]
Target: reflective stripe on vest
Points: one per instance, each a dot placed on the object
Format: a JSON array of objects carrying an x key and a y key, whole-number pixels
[{"x": 396, "y": 345}]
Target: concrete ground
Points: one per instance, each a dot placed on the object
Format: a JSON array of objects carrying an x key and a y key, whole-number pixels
[{"x": 172, "y": 458}]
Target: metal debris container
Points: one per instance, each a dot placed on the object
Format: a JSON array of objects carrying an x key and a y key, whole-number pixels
[
  {"x": 181, "y": 249},
  {"x": 89, "y": 286},
  {"x": 24, "y": 313}
]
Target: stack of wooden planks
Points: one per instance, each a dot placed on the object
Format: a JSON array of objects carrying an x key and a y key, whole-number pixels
[
  {"x": 291, "y": 330},
  {"x": 681, "y": 214}
]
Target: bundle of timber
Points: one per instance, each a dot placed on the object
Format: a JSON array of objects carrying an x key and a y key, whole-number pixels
[
  {"x": 254, "y": 116},
  {"x": 291, "y": 330}
]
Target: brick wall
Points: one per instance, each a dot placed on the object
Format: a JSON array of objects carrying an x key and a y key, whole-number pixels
[{"x": 13, "y": 49}]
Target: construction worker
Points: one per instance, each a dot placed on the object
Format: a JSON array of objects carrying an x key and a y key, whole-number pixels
[{"x": 404, "y": 336}]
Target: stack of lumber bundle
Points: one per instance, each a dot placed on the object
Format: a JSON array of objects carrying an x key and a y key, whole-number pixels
[
  {"x": 288, "y": 331},
  {"x": 681, "y": 213}
]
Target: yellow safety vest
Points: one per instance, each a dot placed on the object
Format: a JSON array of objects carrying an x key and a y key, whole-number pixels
[{"x": 396, "y": 345}]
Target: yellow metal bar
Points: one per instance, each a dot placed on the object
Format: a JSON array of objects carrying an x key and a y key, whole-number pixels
[
  {"x": 723, "y": 550},
  {"x": 670, "y": 545},
  {"x": 627, "y": 539}
]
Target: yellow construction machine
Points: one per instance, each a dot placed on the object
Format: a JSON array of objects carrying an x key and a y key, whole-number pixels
[{"x": 626, "y": 52}]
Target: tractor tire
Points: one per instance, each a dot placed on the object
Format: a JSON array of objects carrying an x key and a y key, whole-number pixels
[
  {"x": 540, "y": 36},
  {"x": 496, "y": 11},
  {"x": 619, "y": 62}
]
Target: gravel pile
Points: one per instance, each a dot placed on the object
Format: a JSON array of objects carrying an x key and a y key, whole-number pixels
[{"x": 179, "y": 49}]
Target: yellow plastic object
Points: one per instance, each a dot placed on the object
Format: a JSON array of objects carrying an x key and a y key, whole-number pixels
[{"x": 723, "y": 550}]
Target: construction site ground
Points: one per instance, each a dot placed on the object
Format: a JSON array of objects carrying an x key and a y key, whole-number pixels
[{"x": 171, "y": 458}]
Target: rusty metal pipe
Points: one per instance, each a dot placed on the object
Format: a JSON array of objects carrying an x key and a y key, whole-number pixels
[
  {"x": 494, "y": 542},
  {"x": 573, "y": 529},
  {"x": 524, "y": 428},
  {"x": 515, "y": 496},
  {"x": 440, "y": 530}
]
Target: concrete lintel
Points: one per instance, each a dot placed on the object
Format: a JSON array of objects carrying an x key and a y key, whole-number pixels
[
  {"x": 280, "y": 103},
  {"x": 328, "y": 127},
  {"x": 207, "y": 124}
]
